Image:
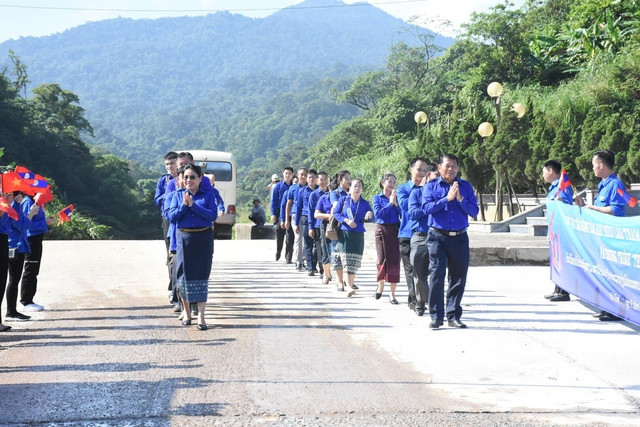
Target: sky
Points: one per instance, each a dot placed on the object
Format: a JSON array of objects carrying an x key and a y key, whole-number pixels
[{"x": 23, "y": 18}]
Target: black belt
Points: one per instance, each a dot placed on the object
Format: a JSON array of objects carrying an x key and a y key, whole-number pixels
[
  {"x": 194, "y": 230},
  {"x": 449, "y": 232},
  {"x": 418, "y": 233}
]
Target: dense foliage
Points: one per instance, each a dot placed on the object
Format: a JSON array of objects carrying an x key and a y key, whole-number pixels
[
  {"x": 45, "y": 134},
  {"x": 573, "y": 64}
]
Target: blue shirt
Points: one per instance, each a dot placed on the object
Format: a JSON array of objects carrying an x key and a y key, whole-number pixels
[
  {"x": 202, "y": 214},
  {"x": 18, "y": 230},
  {"x": 292, "y": 195},
  {"x": 39, "y": 220},
  {"x": 384, "y": 211},
  {"x": 336, "y": 194},
  {"x": 172, "y": 229},
  {"x": 303, "y": 204},
  {"x": 445, "y": 215},
  {"x": 161, "y": 189},
  {"x": 283, "y": 205},
  {"x": 566, "y": 195},
  {"x": 351, "y": 210},
  {"x": 420, "y": 220},
  {"x": 324, "y": 206},
  {"x": 276, "y": 197},
  {"x": 406, "y": 224},
  {"x": 608, "y": 195},
  {"x": 312, "y": 206}
]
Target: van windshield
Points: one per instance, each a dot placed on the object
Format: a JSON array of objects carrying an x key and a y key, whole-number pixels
[{"x": 222, "y": 170}]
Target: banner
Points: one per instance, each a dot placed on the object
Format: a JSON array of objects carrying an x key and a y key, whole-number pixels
[{"x": 596, "y": 257}]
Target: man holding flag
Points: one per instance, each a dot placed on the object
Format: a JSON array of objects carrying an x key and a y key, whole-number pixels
[
  {"x": 559, "y": 190},
  {"x": 40, "y": 224}
]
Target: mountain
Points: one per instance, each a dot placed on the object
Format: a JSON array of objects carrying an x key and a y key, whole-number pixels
[{"x": 132, "y": 75}]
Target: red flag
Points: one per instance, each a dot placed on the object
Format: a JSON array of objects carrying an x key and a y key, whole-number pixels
[
  {"x": 65, "y": 214},
  {"x": 565, "y": 182},
  {"x": 6, "y": 208},
  {"x": 11, "y": 181},
  {"x": 43, "y": 198},
  {"x": 24, "y": 172},
  {"x": 631, "y": 201},
  {"x": 38, "y": 184}
]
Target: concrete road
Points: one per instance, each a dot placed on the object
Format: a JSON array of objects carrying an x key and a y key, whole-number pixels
[{"x": 284, "y": 349}]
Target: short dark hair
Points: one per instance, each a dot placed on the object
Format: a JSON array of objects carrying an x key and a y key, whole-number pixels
[
  {"x": 606, "y": 156},
  {"x": 432, "y": 167},
  {"x": 448, "y": 156},
  {"x": 187, "y": 155},
  {"x": 385, "y": 177},
  {"x": 323, "y": 173},
  {"x": 416, "y": 160},
  {"x": 342, "y": 174},
  {"x": 194, "y": 168},
  {"x": 313, "y": 172},
  {"x": 171, "y": 155},
  {"x": 554, "y": 165},
  {"x": 288, "y": 168}
]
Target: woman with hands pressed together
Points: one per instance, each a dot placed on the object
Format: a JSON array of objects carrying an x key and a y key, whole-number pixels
[
  {"x": 351, "y": 211},
  {"x": 388, "y": 214},
  {"x": 193, "y": 211}
]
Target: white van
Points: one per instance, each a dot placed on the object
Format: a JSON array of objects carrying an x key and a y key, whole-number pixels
[{"x": 223, "y": 166}]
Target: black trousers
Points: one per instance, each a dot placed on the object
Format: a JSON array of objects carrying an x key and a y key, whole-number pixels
[
  {"x": 32, "y": 260},
  {"x": 285, "y": 237},
  {"x": 4, "y": 267},
  {"x": 167, "y": 243},
  {"x": 15, "y": 273}
]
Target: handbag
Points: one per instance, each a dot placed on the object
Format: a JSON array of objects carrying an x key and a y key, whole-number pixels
[{"x": 331, "y": 232}]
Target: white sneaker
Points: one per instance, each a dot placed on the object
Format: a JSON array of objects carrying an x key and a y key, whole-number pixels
[{"x": 33, "y": 307}]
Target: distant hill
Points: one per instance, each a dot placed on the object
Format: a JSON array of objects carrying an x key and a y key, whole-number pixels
[{"x": 133, "y": 75}]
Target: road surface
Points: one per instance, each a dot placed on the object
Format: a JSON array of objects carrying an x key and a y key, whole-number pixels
[{"x": 285, "y": 349}]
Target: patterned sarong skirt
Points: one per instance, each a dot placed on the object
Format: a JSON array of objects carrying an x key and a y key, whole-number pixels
[
  {"x": 194, "y": 256},
  {"x": 351, "y": 247}
]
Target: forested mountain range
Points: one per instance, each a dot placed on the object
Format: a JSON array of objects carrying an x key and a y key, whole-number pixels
[{"x": 220, "y": 81}]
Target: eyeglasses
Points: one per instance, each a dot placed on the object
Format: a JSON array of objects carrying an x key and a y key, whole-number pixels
[{"x": 186, "y": 177}]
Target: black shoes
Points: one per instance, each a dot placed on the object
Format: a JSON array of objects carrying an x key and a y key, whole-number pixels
[
  {"x": 277, "y": 256},
  {"x": 186, "y": 322},
  {"x": 311, "y": 273},
  {"x": 16, "y": 317},
  {"x": 377, "y": 295},
  {"x": 393, "y": 300},
  {"x": 456, "y": 323},
  {"x": 355, "y": 287},
  {"x": 202, "y": 327},
  {"x": 419, "y": 311},
  {"x": 559, "y": 297},
  {"x": 548, "y": 296},
  {"x": 435, "y": 324},
  {"x": 608, "y": 317}
]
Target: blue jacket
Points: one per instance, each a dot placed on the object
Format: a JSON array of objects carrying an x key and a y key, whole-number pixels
[
  {"x": 448, "y": 215},
  {"x": 351, "y": 210},
  {"x": 202, "y": 214},
  {"x": 18, "y": 230},
  {"x": 384, "y": 211},
  {"x": 38, "y": 222}
]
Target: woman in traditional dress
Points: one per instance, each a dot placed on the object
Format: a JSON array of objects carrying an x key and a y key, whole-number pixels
[
  {"x": 388, "y": 213},
  {"x": 351, "y": 211},
  {"x": 341, "y": 183},
  {"x": 193, "y": 211}
]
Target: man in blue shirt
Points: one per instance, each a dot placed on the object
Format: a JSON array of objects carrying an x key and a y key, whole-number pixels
[
  {"x": 449, "y": 202},
  {"x": 551, "y": 173},
  {"x": 419, "y": 248},
  {"x": 301, "y": 222},
  {"x": 162, "y": 192},
  {"x": 418, "y": 171},
  {"x": 276, "y": 199},
  {"x": 607, "y": 200},
  {"x": 292, "y": 214}
]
